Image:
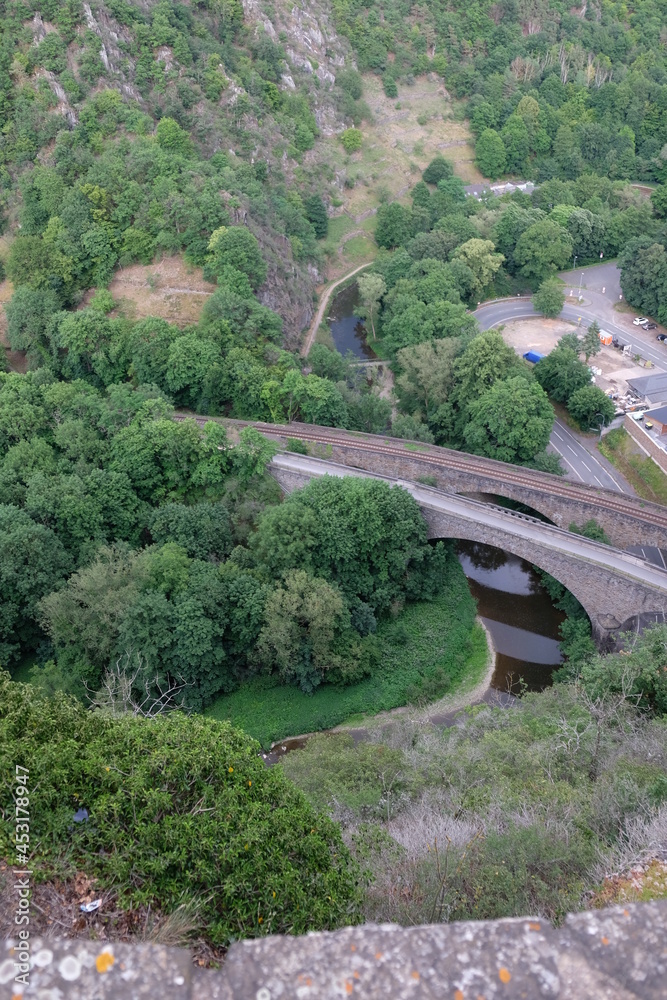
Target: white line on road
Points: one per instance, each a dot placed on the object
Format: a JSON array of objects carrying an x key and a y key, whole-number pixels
[
  {"x": 598, "y": 481},
  {"x": 585, "y": 466},
  {"x": 556, "y": 434},
  {"x": 566, "y": 461},
  {"x": 572, "y": 450}
]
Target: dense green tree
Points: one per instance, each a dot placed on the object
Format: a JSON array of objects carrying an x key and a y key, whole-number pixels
[
  {"x": 590, "y": 407},
  {"x": 171, "y": 461},
  {"x": 561, "y": 374},
  {"x": 32, "y": 562},
  {"x": 516, "y": 140},
  {"x": 203, "y": 530},
  {"x": 591, "y": 343},
  {"x": 542, "y": 249},
  {"x": 550, "y": 297},
  {"x": 235, "y": 247},
  {"x": 513, "y": 221},
  {"x": 427, "y": 374},
  {"x": 28, "y": 314},
  {"x": 316, "y": 213},
  {"x": 512, "y": 421},
  {"x": 414, "y": 322},
  {"x": 369, "y": 412},
  {"x": 327, "y": 363},
  {"x": 439, "y": 169},
  {"x": 490, "y": 154},
  {"x": 478, "y": 255},
  {"x": 643, "y": 265},
  {"x": 371, "y": 289},
  {"x": 172, "y": 137},
  {"x": 189, "y": 361},
  {"x": 659, "y": 201},
  {"x": 394, "y": 225},
  {"x": 409, "y": 427},
  {"x": 308, "y": 635},
  {"x": 359, "y": 534}
]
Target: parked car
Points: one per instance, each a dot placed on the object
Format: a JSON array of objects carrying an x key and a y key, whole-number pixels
[
  {"x": 651, "y": 326},
  {"x": 637, "y": 415},
  {"x": 639, "y": 321},
  {"x": 662, "y": 337},
  {"x": 648, "y": 425}
]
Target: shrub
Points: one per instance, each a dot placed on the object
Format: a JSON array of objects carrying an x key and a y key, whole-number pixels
[
  {"x": 389, "y": 84},
  {"x": 351, "y": 139},
  {"x": 439, "y": 169},
  {"x": 182, "y": 810}
]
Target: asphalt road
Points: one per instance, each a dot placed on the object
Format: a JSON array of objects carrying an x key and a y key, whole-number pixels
[
  {"x": 510, "y": 309},
  {"x": 525, "y": 527},
  {"x": 580, "y": 463}
]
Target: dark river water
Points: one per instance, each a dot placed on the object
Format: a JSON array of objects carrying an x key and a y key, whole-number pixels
[
  {"x": 347, "y": 329},
  {"x": 518, "y": 613}
]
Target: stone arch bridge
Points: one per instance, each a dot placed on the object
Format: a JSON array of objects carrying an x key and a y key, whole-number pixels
[
  {"x": 618, "y": 590},
  {"x": 627, "y": 520}
]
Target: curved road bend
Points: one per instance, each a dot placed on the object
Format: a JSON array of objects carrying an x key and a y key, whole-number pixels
[
  {"x": 529, "y": 528},
  {"x": 581, "y": 464}
]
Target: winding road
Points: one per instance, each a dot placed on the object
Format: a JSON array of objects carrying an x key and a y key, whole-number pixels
[{"x": 582, "y": 463}]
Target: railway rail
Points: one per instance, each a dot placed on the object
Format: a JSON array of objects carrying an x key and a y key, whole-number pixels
[{"x": 458, "y": 461}]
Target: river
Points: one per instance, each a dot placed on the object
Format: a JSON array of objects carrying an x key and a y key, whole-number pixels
[
  {"x": 347, "y": 329},
  {"x": 518, "y": 613},
  {"x": 521, "y": 620}
]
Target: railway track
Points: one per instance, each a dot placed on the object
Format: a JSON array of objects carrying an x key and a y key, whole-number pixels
[{"x": 470, "y": 463}]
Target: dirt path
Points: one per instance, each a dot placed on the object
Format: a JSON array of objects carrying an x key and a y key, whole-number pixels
[
  {"x": 437, "y": 713},
  {"x": 319, "y": 315}
]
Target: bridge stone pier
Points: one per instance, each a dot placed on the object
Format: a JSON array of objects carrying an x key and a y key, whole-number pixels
[{"x": 617, "y": 590}]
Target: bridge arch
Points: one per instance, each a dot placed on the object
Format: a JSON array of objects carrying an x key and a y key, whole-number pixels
[
  {"x": 612, "y": 587},
  {"x": 512, "y": 545}
]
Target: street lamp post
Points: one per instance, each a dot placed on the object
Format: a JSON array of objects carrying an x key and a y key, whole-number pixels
[
  {"x": 601, "y": 416},
  {"x": 580, "y": 281}
]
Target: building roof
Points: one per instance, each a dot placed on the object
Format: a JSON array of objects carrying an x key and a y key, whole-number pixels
[
  {"x": 652, "y": 387},
  {"x": 660, "y": 415}
]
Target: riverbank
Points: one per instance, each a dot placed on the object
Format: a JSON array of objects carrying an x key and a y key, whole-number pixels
[{"x": 432, "y": 650}]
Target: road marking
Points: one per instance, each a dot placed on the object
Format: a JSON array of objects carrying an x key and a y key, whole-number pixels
[
  {"x": 556, "y": 434},
  {"x": 598, "y": 481},
  {"x": 572, "y": 450},
  {"x": 585, "y": 466},
  {"x": 567, "y": 463}
]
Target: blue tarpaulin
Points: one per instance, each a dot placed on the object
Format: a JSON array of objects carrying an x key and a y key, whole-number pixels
[{"x": 533, "y": 356}]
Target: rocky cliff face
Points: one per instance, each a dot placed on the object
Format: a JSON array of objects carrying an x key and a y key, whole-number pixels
[{"x": 314, "y": 52}]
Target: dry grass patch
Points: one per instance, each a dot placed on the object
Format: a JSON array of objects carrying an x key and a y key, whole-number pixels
[
  {"x": 170, "y": 289},
  {"x": 405, "y": 135}
]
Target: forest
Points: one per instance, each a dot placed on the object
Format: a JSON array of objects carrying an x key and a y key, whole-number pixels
[
  {"x": 552, "y": 91},
  {"x": 153, "y": 580}
]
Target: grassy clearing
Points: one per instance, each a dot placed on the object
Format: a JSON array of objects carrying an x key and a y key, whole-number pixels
[
  {"x": 404, "y": 135},
  {"x": 649, "y": 481},
  {"x": 359, "y": 249},
  {"x": 433, "y": 648}
]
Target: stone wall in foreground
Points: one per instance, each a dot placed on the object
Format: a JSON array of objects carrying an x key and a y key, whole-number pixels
[{"x": 614, "y": 954}]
